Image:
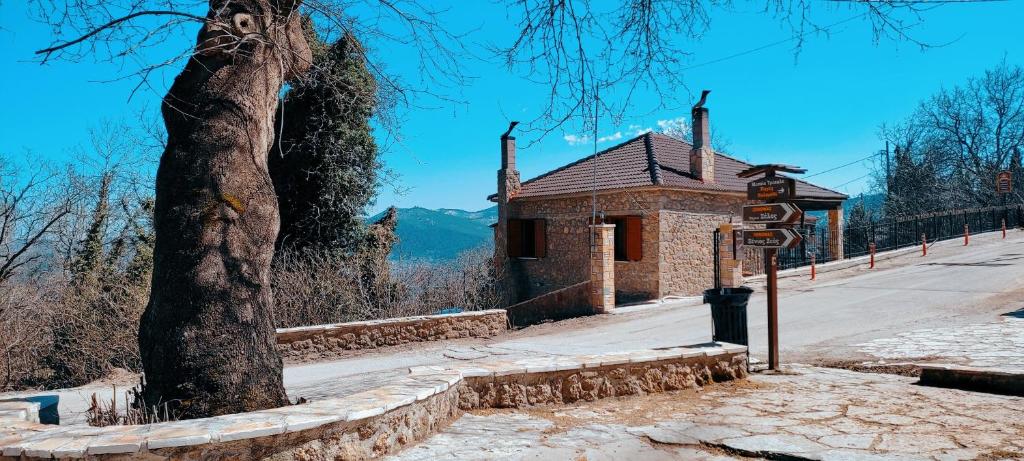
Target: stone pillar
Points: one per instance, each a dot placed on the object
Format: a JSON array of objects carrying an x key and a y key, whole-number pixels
[
  {"x": 730, "y": 254},
  {"x": 602, "y": 268},
  {"x": 835, "y": 232}
]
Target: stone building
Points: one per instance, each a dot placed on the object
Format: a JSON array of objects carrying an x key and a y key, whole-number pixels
[{"x": 664, "y": 197}]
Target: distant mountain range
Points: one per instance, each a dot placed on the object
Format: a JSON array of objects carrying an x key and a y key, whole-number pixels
[
  {"x": 872, "y": 203},
  {"x": 442, "y": 234}
]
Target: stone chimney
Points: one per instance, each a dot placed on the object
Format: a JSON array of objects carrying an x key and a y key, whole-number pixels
[
  {"x": 508, "y": 176},
  {"x": 702, "y": 158},
  {"x": 508, "y": 187}
]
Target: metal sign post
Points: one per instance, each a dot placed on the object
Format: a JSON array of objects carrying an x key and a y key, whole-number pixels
[
  {"x": 1004, "y": 185},
  {"x": 775, "y": 191}
]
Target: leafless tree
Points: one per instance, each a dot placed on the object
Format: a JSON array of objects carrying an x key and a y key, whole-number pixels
[
  {"x": 32, "y": 207},
  {"x": 596, "y": 57},
  {"x": 956, "y": 141}
]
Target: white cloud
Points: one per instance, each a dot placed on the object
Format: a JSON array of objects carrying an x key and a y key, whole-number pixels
[
  {"x": 611, "y": 137},
  {"x": 574, "y": 140},
  {"x": 678, "y": 128}
]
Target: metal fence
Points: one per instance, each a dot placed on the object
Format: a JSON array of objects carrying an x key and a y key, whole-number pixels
[{"x": 886, "y": 234}]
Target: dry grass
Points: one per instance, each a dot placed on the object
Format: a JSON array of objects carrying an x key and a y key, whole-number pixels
[
  {"x": 130, "y": 410},
  {"x": 329, "y": 288}
]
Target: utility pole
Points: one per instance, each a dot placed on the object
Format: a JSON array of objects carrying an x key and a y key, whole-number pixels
[{"x": 888, "y": 169}]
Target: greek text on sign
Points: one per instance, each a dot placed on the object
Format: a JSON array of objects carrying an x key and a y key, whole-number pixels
[
  {"x": 1004, "y": 182},
  {"x": 771, "y": 213},
  {"x": 771, "y": 238},
  {"x": 774, "y": 188}
]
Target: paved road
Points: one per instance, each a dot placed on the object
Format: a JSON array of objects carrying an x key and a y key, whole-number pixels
[{"x": 818, "y": 320}]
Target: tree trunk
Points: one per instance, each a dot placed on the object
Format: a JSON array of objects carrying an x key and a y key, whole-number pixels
[{"x": 207, "y": 335}]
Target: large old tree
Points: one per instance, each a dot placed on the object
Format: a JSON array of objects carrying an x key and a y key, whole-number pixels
[{"x": 207, "y": 336}]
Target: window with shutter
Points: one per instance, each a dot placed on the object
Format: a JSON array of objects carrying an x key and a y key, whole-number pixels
[
  {"x": 628, "y": 237},
  {"x": 515, "y": 238},
  {"x": 539, "y": 238},
  {"x": 527, "y": 238},
  {"x": 634, "y": 238}
]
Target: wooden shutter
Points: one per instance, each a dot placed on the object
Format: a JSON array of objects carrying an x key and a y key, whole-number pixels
[
  {"x": 539, "y": 238},
  {"x": 634, "y": 238},
  {"x": 515, "y": 238}
]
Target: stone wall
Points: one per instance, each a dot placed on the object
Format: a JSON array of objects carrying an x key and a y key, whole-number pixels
[
  {"x": 589, "y": 384},
  {"x": 335, "y": 339},
  {"x": 383, "y": 420},
  {"x": 564, "y": 303},
  {"x": 568, "y": 241},
  {"x": 687, "y": 251}
]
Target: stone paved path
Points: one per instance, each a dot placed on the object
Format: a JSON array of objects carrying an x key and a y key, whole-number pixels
[
  {"x": 808, "y": 413},
  {"x": 996, "y": 345}
]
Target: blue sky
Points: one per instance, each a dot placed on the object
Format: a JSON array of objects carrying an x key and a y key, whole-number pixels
[{"x": 818, "y": 110}]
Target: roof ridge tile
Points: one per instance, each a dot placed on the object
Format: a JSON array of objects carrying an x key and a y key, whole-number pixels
[{"x": 652, "y": 160}]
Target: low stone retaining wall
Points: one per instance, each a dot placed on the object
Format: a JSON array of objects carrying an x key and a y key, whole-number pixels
[
  {"x": 611, "y": 375},
  {"x": 383, "y": 420},
  {"x": 565, "y": 303},
  {"x": 334, "y": 339}
]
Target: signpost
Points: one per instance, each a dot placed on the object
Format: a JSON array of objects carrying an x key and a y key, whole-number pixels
[
  {"x": 771, "y": 238},
  {"x": 1004, "y": 182},
  {"x": 1004, "y": 185},
  {"x": 775, "y": 191},
  {"x": 771, "y": 213},
  {"x": 771, "y": 189}
]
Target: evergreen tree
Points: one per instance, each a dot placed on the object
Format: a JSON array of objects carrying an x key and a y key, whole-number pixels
[
  {"x": 858, "y": 226},
  {"x": 90, "y": 252},
  {"x": 325, "y": 163},
  {"x": 911, "y": 179}
]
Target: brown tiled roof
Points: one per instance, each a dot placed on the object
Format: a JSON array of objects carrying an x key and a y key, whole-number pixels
[{"x": 651, "y": 159}]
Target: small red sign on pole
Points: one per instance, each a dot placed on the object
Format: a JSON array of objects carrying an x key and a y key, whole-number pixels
[{"x": 1004, "y": 182}]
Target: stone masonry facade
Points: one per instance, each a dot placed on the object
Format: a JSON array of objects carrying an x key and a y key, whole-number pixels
[
  {"x": 687, "y": 251},
  {"x": 676, "y": 231}
]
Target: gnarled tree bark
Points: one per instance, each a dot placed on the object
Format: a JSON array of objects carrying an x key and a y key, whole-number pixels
[{"x": 207, "y": 335}]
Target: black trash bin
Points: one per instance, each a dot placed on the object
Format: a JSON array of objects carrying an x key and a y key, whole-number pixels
[{"x": 729, "y": 313}]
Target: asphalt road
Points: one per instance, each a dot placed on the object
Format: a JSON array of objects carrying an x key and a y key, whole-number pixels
[{"x": 824, "y": 319}]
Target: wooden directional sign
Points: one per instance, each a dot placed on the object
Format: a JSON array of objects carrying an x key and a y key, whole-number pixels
[
  {"x": 771, "y": 238},
  {"x": 1004, "y": 182},
  {"x": 771, "y": 213},
  {"x": 773, "y": 188}
]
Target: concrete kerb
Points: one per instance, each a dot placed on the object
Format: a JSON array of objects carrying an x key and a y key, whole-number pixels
[
  {"x": 1007, "y": 382},
  {"x": 377, "y": 421}
]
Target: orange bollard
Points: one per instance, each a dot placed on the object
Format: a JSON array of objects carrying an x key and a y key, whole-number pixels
[
  {"x": 871, "y": 248},
  {"x": 812, "y": 267},
  {"x": 967, "y": 235},
  {"x": 1004, "y": 228},
  {"x": 924, "y": 245}
]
